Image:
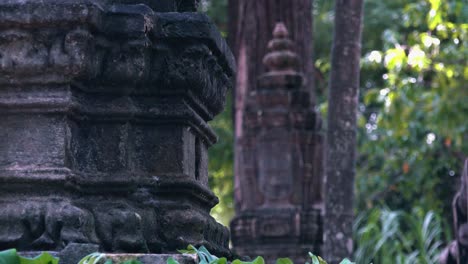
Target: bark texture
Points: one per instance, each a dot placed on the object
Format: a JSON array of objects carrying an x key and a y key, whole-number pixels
[{"x": 341, "y": 134}]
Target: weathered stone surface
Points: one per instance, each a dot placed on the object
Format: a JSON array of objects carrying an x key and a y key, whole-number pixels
[
  {"x": 278, "y": 192},
  {"x": 457, "y": 251},
  {"x": 153, "y": 258},
  {"x": 74, "y": 252},
  {"x": 104, "y": 107}
]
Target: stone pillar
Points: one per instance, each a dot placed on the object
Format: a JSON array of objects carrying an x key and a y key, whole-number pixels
[
  {"x": 103, "y": 124},
  {"x": 278, "y": 192},
  {"x": 456, "y": 252}
]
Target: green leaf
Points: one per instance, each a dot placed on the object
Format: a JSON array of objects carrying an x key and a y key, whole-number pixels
[
  {"x": 44, "y": 258},
  {"x": 284, "y": 261},
  {"x": 395, "y": 58},
  {"x": 93, "y": 258},
  {"x": 417, "y": 58},
  {"x": 190, "y": 250},
  {"x": 9, "y": 257},
  {"x": 205, "y": 256},
  {"x": 371, "y": 96},
  {"x": 132, "y": 261},
  {"x": 171, "y": 260},
  {"x": 434, "y": 17},
  {"x": 204, "y": 253},
  {"x": 316, "y": 259},
  {"x": 219, "y": 261},
  {"x": 346, "y": 261},
  {"x": 321, "y": 260},
  {"x": 258, "y": 260}
]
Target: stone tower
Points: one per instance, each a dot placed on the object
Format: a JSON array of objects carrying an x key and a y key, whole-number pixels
[
  {"x": 278, "y": 192},
  {"x": 104, "y": 107}
]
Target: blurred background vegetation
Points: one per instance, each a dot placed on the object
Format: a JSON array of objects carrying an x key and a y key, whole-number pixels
[{"x": 413, "y": 128}]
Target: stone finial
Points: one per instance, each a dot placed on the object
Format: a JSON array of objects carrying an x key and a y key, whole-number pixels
[
  {"x": 280, "y": 31},
  {"x": 280, "y": 56}
]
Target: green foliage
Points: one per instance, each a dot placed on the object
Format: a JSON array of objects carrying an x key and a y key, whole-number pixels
[
  {"x": 221, "y": 166},
  {"x": 205, "y": 257},
  {"x": 11, "y": 257},
  {"x": 388, "y": 237},
  {"x": 284, "y": 261},
  {"x": 171, "y": 260},
  {"x": 257, "y": 260},
  {"x": 101, "y": 258},
  {"x": 93, "y": 258},
  {"x": 412, "y": 116},
  {"x": 316, "y": 259},
  {"x": 217, "y": 10},
  {"x": 8, "y": 256},
  {"x": 412, "y": 123}
]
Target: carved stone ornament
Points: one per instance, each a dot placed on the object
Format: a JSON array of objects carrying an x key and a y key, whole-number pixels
[
  {"x": 104, "y": 107},
  {"x": 278, "y": 190},
  {"x": 457, "y": 251}
]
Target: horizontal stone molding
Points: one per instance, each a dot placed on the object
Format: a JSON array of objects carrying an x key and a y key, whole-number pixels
[{"x": 97, "y": 47}]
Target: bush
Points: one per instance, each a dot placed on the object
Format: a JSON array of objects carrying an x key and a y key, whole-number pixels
[
  {"x": 205, "y": 257},
  {"x": 387, "y": 237}
]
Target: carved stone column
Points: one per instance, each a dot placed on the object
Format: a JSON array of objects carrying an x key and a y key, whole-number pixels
[
  {"x": 278, "y": 196},
  {"x": 103, "y": 124},
  {"x": 456, "y": 252}
]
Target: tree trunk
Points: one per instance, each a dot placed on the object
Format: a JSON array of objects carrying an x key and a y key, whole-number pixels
[
  {"x": 341, "y": 134},
  {"x": 250, "y": 26}
]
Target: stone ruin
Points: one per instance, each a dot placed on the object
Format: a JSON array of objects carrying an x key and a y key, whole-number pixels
[
  {"x": 278, "y": 191},
  {"x": 103, "y": 124},
  {"x": 457, "y": 251}
]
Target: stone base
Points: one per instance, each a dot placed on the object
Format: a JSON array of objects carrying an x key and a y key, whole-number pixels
[
  {"x": 74, "y": 252},
  {"x": 277, "y": 233},
  {"x": 118, "y": 226}
]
